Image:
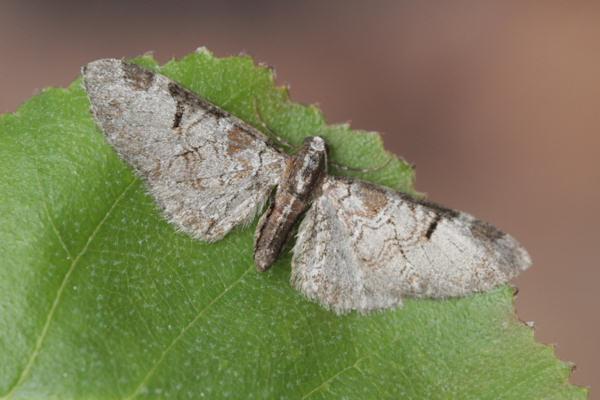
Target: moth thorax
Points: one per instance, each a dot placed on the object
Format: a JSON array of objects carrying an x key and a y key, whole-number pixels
[{"x": 306, "y": 168}]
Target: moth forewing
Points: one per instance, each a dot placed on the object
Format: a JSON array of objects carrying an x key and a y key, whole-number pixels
[{"x": 208, "y": 170}]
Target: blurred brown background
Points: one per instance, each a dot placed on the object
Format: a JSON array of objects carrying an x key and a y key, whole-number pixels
[{"x": 497, "y": 103}]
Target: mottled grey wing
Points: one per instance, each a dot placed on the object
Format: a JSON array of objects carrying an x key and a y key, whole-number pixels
[
  {"x": 363, "y": 247},
  {"x": 208, "y": 170}
]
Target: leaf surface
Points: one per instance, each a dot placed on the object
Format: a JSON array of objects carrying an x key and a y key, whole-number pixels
[{"x": 101, "y": 298}]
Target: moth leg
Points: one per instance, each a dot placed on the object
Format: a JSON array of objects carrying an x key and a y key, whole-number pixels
[
  {"x": 365, "y": 170},
  {"x": 264, "y": 125}
]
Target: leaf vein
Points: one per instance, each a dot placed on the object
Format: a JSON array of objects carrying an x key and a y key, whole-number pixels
[
  {"x": 360, "y": 359},
  {"x": 332, "y": 377},
  {"x": 60, "y": 291},
  {"x": 47, "y": 211},
  {"x": 182, "y": 333}
]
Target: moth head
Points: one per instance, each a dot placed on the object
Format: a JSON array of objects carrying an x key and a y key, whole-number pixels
[{"x": 316, "y": 143}]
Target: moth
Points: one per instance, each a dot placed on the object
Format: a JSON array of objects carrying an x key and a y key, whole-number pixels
[{"x": 360, "y": 246}]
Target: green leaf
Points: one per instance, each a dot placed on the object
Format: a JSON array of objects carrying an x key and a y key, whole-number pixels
[{"x": 101, "y": 298}]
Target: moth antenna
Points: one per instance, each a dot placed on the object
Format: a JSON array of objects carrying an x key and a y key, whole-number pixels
[
  {"x": 345, "y": 168},
  {"x": 264, "y": 125}
]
